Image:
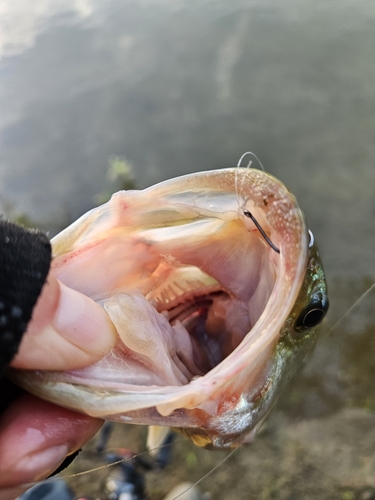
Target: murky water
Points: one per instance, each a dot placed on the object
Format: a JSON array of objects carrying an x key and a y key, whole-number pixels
[{"x": 179, "y": 86}]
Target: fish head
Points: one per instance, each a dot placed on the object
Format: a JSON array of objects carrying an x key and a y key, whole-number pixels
[{"x": 214, "y": 310}]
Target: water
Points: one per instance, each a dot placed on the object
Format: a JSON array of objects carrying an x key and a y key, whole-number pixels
[
  {"x": 179, "y": 86},
  {"x": 175, "y": 87}
]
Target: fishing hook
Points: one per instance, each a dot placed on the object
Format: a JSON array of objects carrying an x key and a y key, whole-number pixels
[{"x": 259, "y": 227}]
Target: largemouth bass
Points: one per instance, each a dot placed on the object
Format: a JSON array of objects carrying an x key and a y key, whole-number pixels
[{"x": 215, "y": 287}]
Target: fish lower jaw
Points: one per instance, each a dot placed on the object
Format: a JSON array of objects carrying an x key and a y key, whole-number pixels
[{"x": 172, "y": 347}]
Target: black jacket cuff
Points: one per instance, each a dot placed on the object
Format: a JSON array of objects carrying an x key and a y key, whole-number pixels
[{"x": 25, "y": 257}]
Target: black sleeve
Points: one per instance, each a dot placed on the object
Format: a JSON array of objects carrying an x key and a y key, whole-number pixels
[{"x": 25, "y": 257}]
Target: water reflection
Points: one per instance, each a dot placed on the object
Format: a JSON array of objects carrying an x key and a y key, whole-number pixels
[
  {"x": 22, "y": 23},
  {"x": 178, "y": 87},
  {"x": 173, "y": 87}
]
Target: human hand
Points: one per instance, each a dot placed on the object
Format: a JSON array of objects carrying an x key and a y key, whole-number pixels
[{"x": 68, "y": 331}]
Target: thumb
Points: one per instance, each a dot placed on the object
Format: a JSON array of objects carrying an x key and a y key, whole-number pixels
[{"x": 68, "y": 330}]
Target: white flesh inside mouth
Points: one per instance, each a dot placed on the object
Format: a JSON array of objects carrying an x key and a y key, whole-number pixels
[{"x": 181, "y": 322}]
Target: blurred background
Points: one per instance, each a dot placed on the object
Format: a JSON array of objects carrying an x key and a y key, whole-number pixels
[{"x": 95, "y": 95}]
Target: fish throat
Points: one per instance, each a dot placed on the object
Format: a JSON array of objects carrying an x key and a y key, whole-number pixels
[
  {"x": 194, "y": 315},
  {"x": 207, "y": 343}
]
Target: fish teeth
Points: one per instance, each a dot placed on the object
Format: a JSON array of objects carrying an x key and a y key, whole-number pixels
[{"x": 178, "y": 286}]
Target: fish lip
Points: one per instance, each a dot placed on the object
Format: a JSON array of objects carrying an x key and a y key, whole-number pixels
[{"x": 198, "y": 393}]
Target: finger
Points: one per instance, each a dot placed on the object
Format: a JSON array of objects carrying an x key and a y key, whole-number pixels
[
  {"x": 35, "y": 438},
  {"x": 12, "y": 493},
  {"x": 68, "y": 331}
]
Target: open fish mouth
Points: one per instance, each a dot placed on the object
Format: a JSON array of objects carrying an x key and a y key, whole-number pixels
[
  {"x": 199, "y": 297},
  {"x": 208, "y": 348}
]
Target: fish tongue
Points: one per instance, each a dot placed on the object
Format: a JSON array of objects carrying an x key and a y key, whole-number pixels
[{"x": 151, "y": 339}]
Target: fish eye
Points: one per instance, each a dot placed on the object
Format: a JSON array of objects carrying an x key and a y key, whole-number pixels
[
  {"x": 313, "y": 317},
  {"x": 314, "y": 313}
]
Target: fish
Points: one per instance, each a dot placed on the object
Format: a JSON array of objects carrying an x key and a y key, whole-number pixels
[{"x": 215, "y": 286}]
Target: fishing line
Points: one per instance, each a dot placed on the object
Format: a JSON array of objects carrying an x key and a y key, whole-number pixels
[
  {"x": 104, "y": 466},
  {"x": 236, "y": 185},
  {"x": 125, "y": 459},
  {"x": 250, "y": 162},
  {"x": 100, "y": 467},
  {"x": 247, "y": 166},
  {"x": 236, "y": 173},
  {"x": 208, "y": 473},
  {"x": 367, "y": 292}
]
